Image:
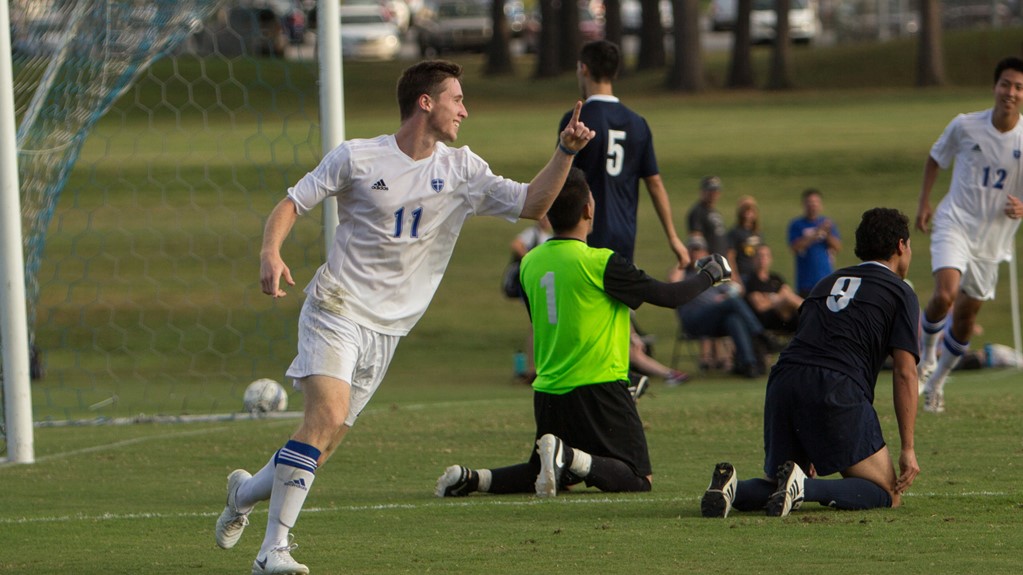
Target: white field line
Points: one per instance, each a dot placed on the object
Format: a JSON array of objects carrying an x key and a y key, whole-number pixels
[
  {"x": 477, "y": 502},
  {"x": 272, "y": 419}
]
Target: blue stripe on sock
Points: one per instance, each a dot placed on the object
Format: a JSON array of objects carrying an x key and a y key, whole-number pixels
[
  {"x": 952, "y": 345},
  {"x": 932, "y": 327},
  {"x": 298, "y": 454}
]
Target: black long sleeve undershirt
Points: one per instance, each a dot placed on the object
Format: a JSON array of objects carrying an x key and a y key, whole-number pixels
[{"x": 633, "y": 287}]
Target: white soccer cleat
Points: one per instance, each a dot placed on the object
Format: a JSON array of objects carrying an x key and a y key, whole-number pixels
[
  {"x": 934, "y": 401},
  {"x": 552, "y": 465},
  {"x": 717, "y": 500},
  {"x": 924, "y": 371},
  {"x": 789, "y": 495},
  {"x": 454, "y": 482},
  {"x": 278, "y": 561},
  {"x": 232, "y": 522}
]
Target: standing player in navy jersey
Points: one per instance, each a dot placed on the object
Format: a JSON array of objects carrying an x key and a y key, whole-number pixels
[
  {"x": 620, "y": 155},
  {"x": 818, "y": 410},
  {"x": 974, "y": 225},
  {"x": 402, "y": 200}
]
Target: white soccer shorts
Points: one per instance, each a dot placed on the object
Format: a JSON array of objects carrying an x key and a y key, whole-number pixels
[
  {"x": 950, "y": 248},
  {"x": 337, "y": 347}
]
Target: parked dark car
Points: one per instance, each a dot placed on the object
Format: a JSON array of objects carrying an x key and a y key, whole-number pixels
[{"x": 454, "y": 25}]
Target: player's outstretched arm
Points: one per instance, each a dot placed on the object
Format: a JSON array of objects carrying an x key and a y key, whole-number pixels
[
  {"x": 904, "y": 382},
  {"x": 271, "y": 266},
  {"x": 548, "y": 181}
]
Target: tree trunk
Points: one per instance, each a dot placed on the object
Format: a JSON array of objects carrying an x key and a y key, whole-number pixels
[
  {"x": 568, "y": 51},
  {"x": 740, "y": 70},
  {"x": 613, "y": 22},
  {"x": 651, "y": 37},
  {"x": 780, "y": 53},
  {"x": 930, "y": 66},
  {"x": 547, "y": 65},
  {"x": 686, "y": 73},
  {"x": 499, "y": 60}
]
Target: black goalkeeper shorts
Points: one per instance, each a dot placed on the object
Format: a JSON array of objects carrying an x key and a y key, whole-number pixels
[{"x": 600, "y": 419}]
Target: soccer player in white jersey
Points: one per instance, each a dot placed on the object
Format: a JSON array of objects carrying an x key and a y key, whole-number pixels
[
  {"x": 974, "y": 225},
  {"x": 402, "y": 200}
]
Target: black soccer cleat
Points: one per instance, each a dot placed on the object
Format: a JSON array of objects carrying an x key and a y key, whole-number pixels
[{"x": 717, "y": 500}]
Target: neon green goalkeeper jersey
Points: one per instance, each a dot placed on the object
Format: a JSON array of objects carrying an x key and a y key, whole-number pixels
[{"x": 580, "y": 333}]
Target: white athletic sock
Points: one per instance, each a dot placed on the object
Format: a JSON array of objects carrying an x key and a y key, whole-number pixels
[
  {"x": 581, "y": 462},
  {"x": 290, "y": 487},
  {"x": 932, "y": 333},
  {"x": 484, "y": 481},
  {"x": 950, "y": 356},
  {"x": 294, "y": 473},
  {"x": 257, "y": 488}
]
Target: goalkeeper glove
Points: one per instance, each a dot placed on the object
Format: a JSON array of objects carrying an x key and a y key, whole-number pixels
[{"x": 716, "y": 267}]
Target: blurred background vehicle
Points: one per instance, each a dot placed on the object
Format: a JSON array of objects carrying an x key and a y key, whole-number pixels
[
  {"x": 632, "y": 16},
  {"x": 803, "y": 21},
  {"x": 453, "y": 25},
  {"x": 369, "y": 33},
  {"x": 723, "y": 14},
  {"x": 252, "y": 27}
]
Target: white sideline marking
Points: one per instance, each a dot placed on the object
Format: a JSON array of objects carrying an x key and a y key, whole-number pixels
[{"x": 473, "y": 502}]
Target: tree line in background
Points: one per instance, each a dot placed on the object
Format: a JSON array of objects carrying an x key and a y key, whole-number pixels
[{"x": 560, "y": 41}]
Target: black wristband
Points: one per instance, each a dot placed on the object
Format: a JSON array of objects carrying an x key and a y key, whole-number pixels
[{"x": 565, "y": 150}]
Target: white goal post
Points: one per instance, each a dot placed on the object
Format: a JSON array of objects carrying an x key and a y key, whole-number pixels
[{"x": 17, "y": 390}]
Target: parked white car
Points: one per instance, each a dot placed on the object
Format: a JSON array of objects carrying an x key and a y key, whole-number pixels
[
  {"x": 803, "y": 21},
  {"x": 367, "y": 33}
]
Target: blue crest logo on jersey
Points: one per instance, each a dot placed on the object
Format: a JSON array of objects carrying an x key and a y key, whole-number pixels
[
  {"x": 437, "y": 184},
  {"x": 1015, "y": 154}
]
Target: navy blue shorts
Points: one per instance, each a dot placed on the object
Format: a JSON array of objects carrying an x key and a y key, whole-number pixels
[
  {"x": 819, "y": 416},
  {"x": 601, "y": 419}
]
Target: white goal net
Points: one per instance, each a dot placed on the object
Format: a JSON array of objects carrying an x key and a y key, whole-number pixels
[{"x": 153, "y": 139}]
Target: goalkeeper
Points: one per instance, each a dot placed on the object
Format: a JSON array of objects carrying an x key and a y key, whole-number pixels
[{"x": 587, "y": 426}]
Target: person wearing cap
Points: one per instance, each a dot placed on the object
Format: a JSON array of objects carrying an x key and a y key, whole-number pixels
[{"x": 704, "y": 218}]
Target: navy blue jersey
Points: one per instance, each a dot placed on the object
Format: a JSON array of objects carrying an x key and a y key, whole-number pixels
[
  {"x": 852, "y": 321},
  {"x": 615, "y": 160}
]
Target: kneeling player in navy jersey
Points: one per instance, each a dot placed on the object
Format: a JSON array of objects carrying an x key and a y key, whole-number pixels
[{"x": 819, "y": 417}]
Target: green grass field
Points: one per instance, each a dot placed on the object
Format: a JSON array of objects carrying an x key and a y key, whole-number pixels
[
  {"x": 165, "y": 284},
  {"x": 143, "y": 499}
]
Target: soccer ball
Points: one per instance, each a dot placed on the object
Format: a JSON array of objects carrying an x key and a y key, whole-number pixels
[{"x": 265, "y": 395}]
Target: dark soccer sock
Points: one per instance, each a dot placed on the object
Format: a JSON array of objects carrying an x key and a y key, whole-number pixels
[
  {"x": 752, "y": 494},
  {"x": 612, "y": 475},
  {"x": 849, "y": 493},
  {"x": 519, "y": 478}
]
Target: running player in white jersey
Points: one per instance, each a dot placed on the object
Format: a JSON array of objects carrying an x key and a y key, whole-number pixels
[
  {"x": 402, "y": 200},
  {"x": 974, "y": 225}
]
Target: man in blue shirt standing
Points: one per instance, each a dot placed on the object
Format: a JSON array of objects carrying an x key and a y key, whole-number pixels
[{"x": 815, "y": 240}]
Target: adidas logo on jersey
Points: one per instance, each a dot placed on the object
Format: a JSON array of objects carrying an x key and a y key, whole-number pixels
[{"x": 379, "y": 185}]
